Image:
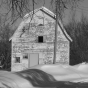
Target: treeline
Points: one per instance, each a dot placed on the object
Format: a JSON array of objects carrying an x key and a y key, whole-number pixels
[
  {"x": 5, "y": 47},
  {"x": 79, "y": 33}
]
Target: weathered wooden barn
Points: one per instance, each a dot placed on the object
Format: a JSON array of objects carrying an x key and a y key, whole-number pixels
[{"x": 33, "y": 41}]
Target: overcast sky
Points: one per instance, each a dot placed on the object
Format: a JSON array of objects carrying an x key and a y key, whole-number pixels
[{"x": 82, "y": 8}]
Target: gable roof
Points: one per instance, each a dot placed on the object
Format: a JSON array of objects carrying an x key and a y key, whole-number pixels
[{"x": 48, "y": 12}]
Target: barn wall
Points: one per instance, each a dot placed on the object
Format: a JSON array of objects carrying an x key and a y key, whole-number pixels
[{"x": 26, "y": 42}]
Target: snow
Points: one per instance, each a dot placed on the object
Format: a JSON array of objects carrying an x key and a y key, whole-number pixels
[{"x": 75, "y": 73}]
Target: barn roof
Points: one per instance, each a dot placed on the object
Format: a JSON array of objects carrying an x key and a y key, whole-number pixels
[{"x": 48, "y": 12}]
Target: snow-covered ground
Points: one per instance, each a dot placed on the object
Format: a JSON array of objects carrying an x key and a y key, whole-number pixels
[
  {"x": 74, "y": 74},
  {"x": 77, "y": 73}
]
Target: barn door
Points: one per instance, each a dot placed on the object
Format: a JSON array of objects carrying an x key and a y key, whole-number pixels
[{"x": 33, "y": 59}]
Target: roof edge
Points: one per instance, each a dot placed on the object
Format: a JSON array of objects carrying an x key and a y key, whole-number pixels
[{"x": 50, "y": 13}]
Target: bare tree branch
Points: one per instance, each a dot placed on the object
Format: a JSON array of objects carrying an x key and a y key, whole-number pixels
[
  {"x": 21, "y": 7},
  {"x": 64, "y": 4},
  {"x": 43, "y": 2}
]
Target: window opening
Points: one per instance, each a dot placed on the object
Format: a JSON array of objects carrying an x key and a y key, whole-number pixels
[
  {"x": 25, "y": 56},
  {"x": 17, "y": 60},
  {"x": 40, "y": 39}
]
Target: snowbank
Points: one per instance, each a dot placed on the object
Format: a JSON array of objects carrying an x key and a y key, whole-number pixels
[
  {"x": 66, "y": 72},
  {"x": 48, "y": 75}
]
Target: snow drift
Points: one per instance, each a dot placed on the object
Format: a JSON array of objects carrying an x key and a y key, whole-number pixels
[{"x": 56, "y": 76}]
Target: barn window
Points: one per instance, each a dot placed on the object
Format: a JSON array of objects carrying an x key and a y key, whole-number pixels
[
  {"x": 40, "y": 39},
  {"x": 17, "y": 60},
  {"x": 25, "y": 56}
]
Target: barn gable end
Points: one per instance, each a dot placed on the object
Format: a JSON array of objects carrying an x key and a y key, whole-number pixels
[{"x": 33, "y": 41}]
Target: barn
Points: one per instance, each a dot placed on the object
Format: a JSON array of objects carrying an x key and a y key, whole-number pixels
[{"x": 33, "y": 41}]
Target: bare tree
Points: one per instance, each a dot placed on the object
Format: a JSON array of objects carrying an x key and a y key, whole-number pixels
[
  {"x": 17, "y": 8},
  {"x": 5, "y": 46},
  {"x": 65, "y": 4},
  {"x": 79, "y": 46}
]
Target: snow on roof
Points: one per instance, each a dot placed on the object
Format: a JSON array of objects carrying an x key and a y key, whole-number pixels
[{"x": 42, "y": 8}]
